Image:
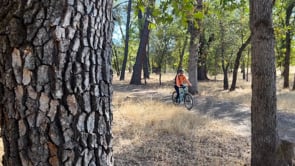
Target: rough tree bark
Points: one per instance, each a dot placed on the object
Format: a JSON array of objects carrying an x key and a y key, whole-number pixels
[
  {"x": 237, "y": 64},
  {"x": 55, "y": 82},
  {"x": 225, "y": 67},
  {"x": 286, "y": 71},
  {"x": 194, "y": 31},
  {"x": 137, "y": 68},
  {"x": 146, "y": 62},
  {"x": 202, "y": 71},
  {"x": 141, "y": 52},
  {"x": 264, "y": 136},
  {"x": 193, "y": 59}
]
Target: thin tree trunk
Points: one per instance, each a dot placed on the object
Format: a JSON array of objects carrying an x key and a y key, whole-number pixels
[
  {"x": 264, "y": 137},
  {"x": 146, "y": 74},
  {"x": 55, "y": 82},
  {"x": 248, "y": 60},
  {"x": 237, "y": 63},
  {"x": 215, "y": 64},
  {"x": 122, "y": 76},
  {"x": 116, "y": 63},
  {"x": 160, "y": 75},
  {"x": 243, "y": 69},
  {"x": 286, "y": 71},
  {"x": 225, "y": 75},
  {"x": 224, "y": 66},
  {"x": 182, "y": 53},
  {"x": 225, "y": 79}
]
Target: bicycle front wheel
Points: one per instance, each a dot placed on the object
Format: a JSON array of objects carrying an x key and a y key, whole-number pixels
[{"x": 188, "y": 101}]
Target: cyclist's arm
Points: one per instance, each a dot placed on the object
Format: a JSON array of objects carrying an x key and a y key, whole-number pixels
[{"x": 187, "y": 81}]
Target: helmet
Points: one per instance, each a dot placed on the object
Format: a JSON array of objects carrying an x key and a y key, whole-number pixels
[{"x": 179, "y": 71}]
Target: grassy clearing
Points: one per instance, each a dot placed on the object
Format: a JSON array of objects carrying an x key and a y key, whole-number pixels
[
  {"x": 151, "y": 132},
  {"x": 242, "y": 94},
  {"x": 155, "y": 133}
]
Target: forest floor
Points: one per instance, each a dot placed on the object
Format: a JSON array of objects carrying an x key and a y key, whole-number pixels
[
  {"x": 215, "y": 132},
  {"x": 223, "y": 140}
]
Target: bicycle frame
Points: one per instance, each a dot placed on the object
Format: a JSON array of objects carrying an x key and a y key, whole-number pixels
[
  {"x": 184, "y": 97},
  {"x": 182, "y": 92}
]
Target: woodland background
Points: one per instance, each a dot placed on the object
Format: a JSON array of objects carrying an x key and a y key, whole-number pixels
[{"x": 59, "y": 96}]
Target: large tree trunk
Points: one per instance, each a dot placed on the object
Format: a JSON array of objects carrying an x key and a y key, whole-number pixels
[
  {"x": 137, "y": 68},
  {"x": 141, "y": 52},
  {"x": 122, "y": 76},
  {"x": 237, "y": 63},
  {"x": 263, "y": 105},
  {"x": 55, "y": 82},
  {"x": 202, "y": 67},
  {"x": 193, "y": 50},
  {"x": 193, "y": 59},
  {"x": 288, "y": 46}
]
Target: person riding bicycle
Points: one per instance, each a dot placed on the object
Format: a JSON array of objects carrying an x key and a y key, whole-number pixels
[{"x": 180, "y": 79}]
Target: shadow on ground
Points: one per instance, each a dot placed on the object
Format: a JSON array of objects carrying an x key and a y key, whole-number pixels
[{"x": 240, "y": 116}]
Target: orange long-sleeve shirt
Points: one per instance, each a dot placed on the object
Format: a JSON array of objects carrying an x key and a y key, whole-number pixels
[{"x": 181, "y": 79}]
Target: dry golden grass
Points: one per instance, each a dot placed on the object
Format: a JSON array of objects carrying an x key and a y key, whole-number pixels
[
  {"x": 156, "y": 133},
  {"x": 151, "y": 132}
]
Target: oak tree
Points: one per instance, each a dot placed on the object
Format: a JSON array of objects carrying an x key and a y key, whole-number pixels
[
  {"x": 264, "y": 141},
  {"x": 55, "y": 82}
]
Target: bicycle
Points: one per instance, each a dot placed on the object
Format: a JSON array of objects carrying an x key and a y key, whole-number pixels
[{"x": 184, "y": 96}]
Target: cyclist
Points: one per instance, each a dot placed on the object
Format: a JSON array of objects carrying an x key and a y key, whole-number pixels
[{"x": 180, "y": 79}]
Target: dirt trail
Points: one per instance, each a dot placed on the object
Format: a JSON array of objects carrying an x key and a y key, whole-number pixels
[{"x": 237, "y": 114}]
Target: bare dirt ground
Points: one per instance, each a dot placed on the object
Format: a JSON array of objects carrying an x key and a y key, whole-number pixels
[{"x": 239, "y": 115}]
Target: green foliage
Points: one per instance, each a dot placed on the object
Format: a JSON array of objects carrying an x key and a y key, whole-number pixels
[
  {"x": 231, "y": 5},
  {"x": 165, "y": 45},
  {"x": 169, "y": 20},
  {"x": 280, "y": 29},
  {"x": 230, "y": 29}
]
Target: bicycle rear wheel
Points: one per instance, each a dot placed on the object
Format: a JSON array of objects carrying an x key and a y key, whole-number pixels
[
  {"x": 188, "y": 101},
  {"x": 174, "y": 94}
]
